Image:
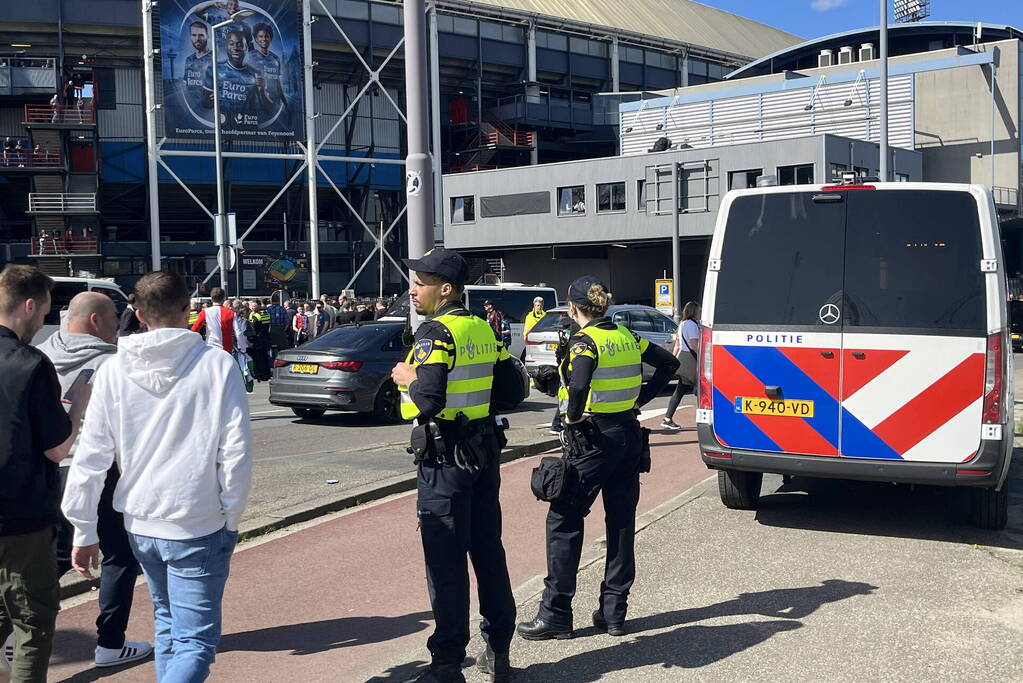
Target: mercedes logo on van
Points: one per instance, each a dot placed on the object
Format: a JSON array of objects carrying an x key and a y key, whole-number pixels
[{"x": 829, "y": 314}]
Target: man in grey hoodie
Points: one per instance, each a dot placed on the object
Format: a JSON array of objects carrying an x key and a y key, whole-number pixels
[{"x": 77, "y": 353}]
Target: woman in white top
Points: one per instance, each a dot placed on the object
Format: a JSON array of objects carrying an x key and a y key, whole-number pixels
[{"x": 688, "y": 337}]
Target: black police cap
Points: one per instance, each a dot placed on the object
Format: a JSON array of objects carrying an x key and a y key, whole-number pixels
[
  {"x": 445, "y": 263},
  {"x": 577, "y": 291}
]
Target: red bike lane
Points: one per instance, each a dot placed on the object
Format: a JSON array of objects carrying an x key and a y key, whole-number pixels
[{"x": 345, "y": 599}]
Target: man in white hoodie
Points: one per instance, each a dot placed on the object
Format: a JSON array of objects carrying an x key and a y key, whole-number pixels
[
  {"x": 76, "y": 354},
  {"x": 173, "y": 413}
]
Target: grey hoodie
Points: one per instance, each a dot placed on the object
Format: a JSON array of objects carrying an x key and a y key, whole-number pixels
[{"x": 70, "y": 353}]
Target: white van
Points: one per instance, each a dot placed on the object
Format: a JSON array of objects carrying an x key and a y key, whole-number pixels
[
  {"x": 514, "y": 300},
  {"x": 65, "y": 289},
  {"x": 858, "y": 332}
]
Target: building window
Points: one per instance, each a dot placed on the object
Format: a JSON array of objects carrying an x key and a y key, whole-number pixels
[
  {"x": 837, "y": 173},
  {"x": 902, "y": 177},
  {"x": 795, "y": 175},
  {"x": 610, "y": 197},
  {"x": 743, "y": 180},
  {"x": 861, "y": 172},
  {"x": 463, "y": 209},
  {"x": 571, "y": 200},
  {"x": 386, "y": 14},
  {"x": 641, "y": 195}
]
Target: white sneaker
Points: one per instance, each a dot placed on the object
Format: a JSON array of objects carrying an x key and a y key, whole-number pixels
[
  {"x": 670, "y": 424},
  {"x": 8, "y": 655},
  {"x": 131, "y": 652}
]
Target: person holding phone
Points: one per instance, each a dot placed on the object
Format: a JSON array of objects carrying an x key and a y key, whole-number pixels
[{"x": 76, "y": 354}]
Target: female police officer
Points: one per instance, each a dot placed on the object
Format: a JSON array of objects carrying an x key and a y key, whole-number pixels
[{"x": 601, "y": 389}]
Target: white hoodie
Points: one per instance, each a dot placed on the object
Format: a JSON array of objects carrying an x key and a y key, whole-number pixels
[{"x": 174, "y": 414}]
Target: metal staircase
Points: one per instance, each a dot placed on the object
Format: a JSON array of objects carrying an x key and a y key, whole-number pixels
[{"x": 492, "y": 144}]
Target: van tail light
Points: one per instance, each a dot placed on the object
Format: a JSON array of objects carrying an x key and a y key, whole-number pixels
[
  {"x": 994, "y": 401},
  {"x": 705, "y": 394},
  {"x": 278, "y": 363},
  {"x": 343, "y": 365}
]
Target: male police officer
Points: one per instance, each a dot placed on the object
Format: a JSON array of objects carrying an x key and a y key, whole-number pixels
[{"x": 456, "y": 376}]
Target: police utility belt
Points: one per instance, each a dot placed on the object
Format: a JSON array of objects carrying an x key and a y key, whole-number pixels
[{"x": 459, "y": 442}]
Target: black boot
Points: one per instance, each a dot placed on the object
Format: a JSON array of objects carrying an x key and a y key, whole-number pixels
[
  {"x": 497, "y": 665},
  {"x": 602, "y": 625},
  {"x": 440, "y": 673},
  {"x": 538, "y": 629}
]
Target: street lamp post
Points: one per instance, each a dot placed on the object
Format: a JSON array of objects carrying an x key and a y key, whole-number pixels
[{"x": 220, "y": 227}]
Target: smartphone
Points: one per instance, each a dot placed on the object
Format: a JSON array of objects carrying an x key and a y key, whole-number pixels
[{"x": 84, "y": 377}]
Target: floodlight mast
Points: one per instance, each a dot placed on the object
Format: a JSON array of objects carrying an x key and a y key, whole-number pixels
[{"x": 909, "y": 11}]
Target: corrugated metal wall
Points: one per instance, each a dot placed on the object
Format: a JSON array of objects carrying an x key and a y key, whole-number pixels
[
  {"x": 848, "y": 109},
  {"x": 10, "y": 123},
  {"x": 128, "y": 120}
]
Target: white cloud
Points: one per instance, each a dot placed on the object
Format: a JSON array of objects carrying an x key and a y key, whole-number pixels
[{"x": 825, "y": 5}]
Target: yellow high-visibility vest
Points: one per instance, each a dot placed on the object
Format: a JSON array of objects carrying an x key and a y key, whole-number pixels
[
  {"x": 616, "y": 381},
  {"x": 471, "y": 378},
  {"x": 531, "y": 319}
]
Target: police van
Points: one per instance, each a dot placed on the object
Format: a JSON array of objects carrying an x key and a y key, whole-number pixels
[{"x": 858, "y": 331}]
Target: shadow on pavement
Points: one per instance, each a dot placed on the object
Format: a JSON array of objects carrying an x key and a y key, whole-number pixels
[
  {"x": 320, "y": 636},
  {"x": 696, "y": 646},
  {"x": 933, "y": 513}
]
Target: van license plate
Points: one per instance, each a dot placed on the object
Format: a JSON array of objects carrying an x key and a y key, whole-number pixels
[
  {"x": 305, "y": 368},
  {"x": 765, "y": 406},
  {"x": 552, "y": 347}
]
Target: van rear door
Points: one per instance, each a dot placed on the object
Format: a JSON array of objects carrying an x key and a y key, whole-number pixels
[
  {"x": 777, "y": 326},
  {"x": 915, "y": 316}
]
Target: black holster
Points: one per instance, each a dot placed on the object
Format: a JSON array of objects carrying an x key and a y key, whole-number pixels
[
  {"x": 500, "y": 431},
  {"x": 427, "y": 443},
  {"x": 581, "y": 439}
]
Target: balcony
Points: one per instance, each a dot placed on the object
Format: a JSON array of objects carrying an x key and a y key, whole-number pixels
[
  {"x": 27, "y": 76},
  {"x": 1007, "y": 199},
  {"x": 61, "y": 202},
  {"x": 59, "y": 246},
  {"x": 59, "y": 115},
  {"x": 29, "y": 160}
]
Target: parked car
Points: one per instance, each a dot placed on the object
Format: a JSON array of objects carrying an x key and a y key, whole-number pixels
[
  {"x": 647, "y": 322},
  {"x": 347, "y": 369},
  {"x": 1016, "y": 325}
]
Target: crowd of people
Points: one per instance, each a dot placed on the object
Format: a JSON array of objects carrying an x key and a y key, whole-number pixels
[{"x": 21, "y": 154}]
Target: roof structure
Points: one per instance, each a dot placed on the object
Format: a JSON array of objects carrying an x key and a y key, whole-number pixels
[
  {"x": 902, "y": 39},
  {"x": 680, "y": 21}
]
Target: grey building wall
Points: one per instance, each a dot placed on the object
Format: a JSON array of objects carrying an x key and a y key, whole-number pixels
[{"x": 634, "y": 224}]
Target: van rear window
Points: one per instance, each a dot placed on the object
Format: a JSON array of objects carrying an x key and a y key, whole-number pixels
[
  {"x": 778, "y": 260},
  {"x": 913, "y": 261}
]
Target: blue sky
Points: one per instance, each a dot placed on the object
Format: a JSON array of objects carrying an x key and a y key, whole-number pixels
[{"x": 815, "y": 18}]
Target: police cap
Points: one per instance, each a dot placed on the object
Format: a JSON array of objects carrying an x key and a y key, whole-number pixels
[
  {"x": 578, "y": 290},
  {"x": 445, "y": 263}
]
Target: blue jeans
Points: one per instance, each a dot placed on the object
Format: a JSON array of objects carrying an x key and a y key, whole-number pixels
[{"x": 186, "y": 580}]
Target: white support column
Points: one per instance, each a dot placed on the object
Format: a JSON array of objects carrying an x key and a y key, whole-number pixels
[
  {"x": 438, "y": 180},
  {"x": 531, "y": 52},
  {"x": 152, "y": 152},
  {"x": 684, "y": 80},
  {"x": 310, "y": 150}
]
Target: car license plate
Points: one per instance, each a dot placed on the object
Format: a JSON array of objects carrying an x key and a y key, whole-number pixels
[
  {"x": 305, "y": 368},
  {"x": 750, "y": 405},
  {"x": 552, "y": 347}
]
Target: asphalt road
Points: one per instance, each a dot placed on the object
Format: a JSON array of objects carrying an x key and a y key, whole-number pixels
[{"x": 294, "y": 459}]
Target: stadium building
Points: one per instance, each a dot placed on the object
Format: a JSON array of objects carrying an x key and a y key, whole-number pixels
[{"x": 520, "y": 82}]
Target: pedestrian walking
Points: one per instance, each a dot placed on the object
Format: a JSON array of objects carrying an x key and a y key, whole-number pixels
[
  {"x": 182, "y": 488},
  {"x": 259, "y": 348},
  {"x": 600, "y": 391},
  {"x": 330, "y": 310},
  {"x": 37, "y": 435},
  {"x": 687, "y": 343},
  {"x": 453, "y": 393},
  {"x": 320, "y": 320},
  {"x": 494, "y": 318},
  {"x": 76, "y": 354},
  {"x": 223, "y": 329}
]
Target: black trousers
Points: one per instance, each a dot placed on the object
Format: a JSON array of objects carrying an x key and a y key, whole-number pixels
[
  {"x": 615, "y": 472},
  {"x": 459, "y": 515},
  {"x": 119, "y": 566}
]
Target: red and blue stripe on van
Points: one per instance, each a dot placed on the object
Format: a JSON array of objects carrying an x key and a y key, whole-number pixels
[{"x": 858, "y": 412}]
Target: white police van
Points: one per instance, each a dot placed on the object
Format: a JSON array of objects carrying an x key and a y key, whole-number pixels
[{"x": 858, "y": 331}]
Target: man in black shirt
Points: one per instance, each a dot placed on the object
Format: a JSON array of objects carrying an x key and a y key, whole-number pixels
[{"x": 38, "y": 434}]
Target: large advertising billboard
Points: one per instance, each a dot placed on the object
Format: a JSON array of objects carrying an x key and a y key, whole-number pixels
[{"x": 259, "y": 78}]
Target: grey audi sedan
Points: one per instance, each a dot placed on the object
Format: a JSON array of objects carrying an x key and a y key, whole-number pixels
[{"x": 348, "y": 368}]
